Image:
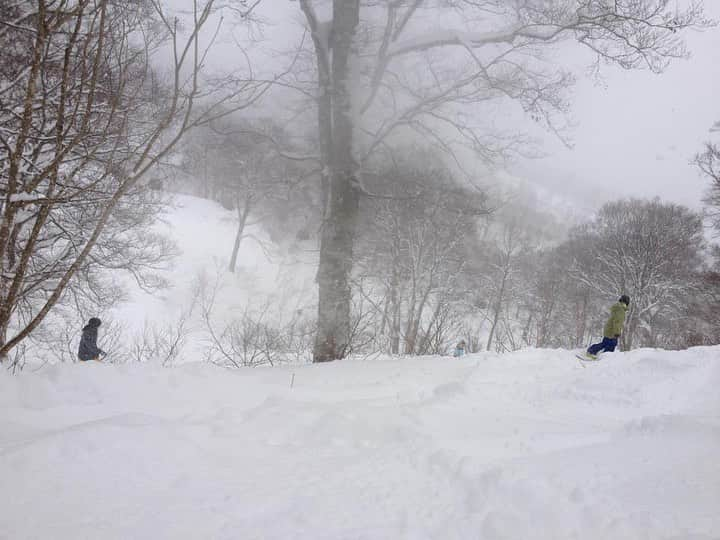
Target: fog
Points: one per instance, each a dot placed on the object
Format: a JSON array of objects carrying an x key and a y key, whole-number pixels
[
  {"x": 414, "y": 172},
  {"x": 637, "y": 132},
  {"x": 412, "y": 269},
  {"x": 633, "y": 132}
]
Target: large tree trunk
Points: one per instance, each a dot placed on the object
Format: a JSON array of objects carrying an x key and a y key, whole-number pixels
[{"x": 336, "y": 245}]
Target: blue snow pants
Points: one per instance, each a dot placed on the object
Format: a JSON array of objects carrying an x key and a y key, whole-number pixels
[{"x": 607, "y": 344}]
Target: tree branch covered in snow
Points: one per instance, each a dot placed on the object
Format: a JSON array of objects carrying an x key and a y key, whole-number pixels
[
  {"x": 80, "y": 129},
  {"x": 646, "y": 249}
]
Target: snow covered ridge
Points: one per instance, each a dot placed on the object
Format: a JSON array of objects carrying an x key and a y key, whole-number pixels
[{"x": 525, "y": 445}]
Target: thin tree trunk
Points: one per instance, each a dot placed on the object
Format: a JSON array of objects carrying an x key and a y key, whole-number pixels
[
  {"x": 412, "y": 339},
  {"x": 526, "y": 330},
  {"x": 582, "y": 323},
  {"x": 3, "y": 339},
  {"x": 384, "y": 322},
  {"x": 409, "y": 345},
  {"x": 425, "y": 343},
  {"x": 395, "y": 324},
  {"x": 497, "y": 309},
  {"x": 629, "y": 331},
  {"x": 242, "y": 216},
  {"x": 544, "y": 324}
]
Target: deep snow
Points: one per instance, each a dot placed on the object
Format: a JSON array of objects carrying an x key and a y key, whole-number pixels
[
  {"x": 204, "y": 233},
  {"x": 277, "y": 280},
  {"x": 520, "y": 446}
]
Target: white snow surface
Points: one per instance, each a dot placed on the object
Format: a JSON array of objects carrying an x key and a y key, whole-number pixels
[
  {"x": 204, "y": 233},
  {"x": 521, "y": 446}
]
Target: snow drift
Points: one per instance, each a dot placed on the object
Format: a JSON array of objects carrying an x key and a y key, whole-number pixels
[{"x": 525, "y": 445}]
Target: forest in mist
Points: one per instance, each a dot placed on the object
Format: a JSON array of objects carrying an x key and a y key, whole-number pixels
[{"x": 369, "y": 139}]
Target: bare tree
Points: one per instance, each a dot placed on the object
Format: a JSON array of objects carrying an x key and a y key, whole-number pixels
[
  {"x": 560, "y": 305},
  {"x": 646, "y": 249},
  {"x": 255, "y": 337},
  {"x": 384, "y": 71},
  {"x": 413, "y": 245},
  {"x": 236, "y": 162},
  {"x": 83, "y": 119},
  {"x": 160, "y": 342},
  {"x": 709, "y": 163},
  {"x": 504, "y": 264}
]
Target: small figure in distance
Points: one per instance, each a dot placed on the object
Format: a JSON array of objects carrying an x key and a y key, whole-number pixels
[
  {"x": 459, "y": 349},
  {"x": 88, "y": 349},
  {"x": 613, "y": 328}
]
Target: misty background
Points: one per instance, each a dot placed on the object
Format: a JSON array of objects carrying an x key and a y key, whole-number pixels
[
  {"x": 264, "y": 182},
  {"x": 444, "y": 202}
]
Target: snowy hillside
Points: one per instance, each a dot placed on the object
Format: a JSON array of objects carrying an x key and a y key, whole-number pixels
[
  {"x": 204, "y": 232},
  {"x": 273, "y": 279},
  {"x": 521, "y": 446}
]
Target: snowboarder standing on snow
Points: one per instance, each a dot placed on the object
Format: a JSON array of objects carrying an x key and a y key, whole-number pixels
[
  {"x": 459, "y": 349},
  {"x": 88, "y": 349},
  {"x": 613, "y": 328}
]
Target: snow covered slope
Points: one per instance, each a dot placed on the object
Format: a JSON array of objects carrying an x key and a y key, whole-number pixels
[
  {"x": 277, "y": 280},
  {"x": 522, "y": 446},
  {"x": 204, "y": 233}
]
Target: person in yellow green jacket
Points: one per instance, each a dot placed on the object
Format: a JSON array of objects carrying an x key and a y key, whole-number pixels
[{"x": 613, "y": 328}]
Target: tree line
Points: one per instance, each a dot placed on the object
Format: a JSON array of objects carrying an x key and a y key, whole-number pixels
[
  {"x": 99, "y": 100},
  {"x": 437, "y": 259}
]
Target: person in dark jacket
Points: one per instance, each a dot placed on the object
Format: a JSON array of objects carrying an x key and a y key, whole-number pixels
[
  {"x": 613, "y": 328},
  {"x": 88, "y": 349}
]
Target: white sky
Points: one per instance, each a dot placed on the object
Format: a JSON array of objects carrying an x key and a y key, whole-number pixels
[{"x": 637, "y": 134}]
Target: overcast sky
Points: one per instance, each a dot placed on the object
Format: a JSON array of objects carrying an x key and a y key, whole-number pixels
[{"x": 637, "y": 134}]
